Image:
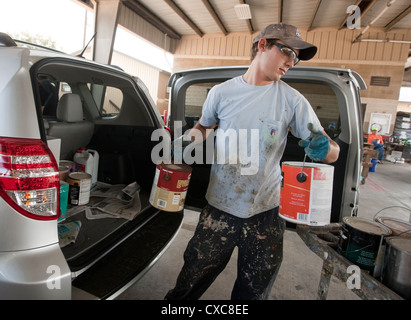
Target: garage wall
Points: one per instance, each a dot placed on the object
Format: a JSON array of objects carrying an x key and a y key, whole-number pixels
[
  {"x": 372, "y": 60},
  {"x": 333, "y": 46},
  {"x": 155, "y": 79},
  {"x": 141, "y": 27}
]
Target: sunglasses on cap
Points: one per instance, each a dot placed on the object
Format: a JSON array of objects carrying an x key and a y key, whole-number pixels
[{"x": 289, "y": 53}]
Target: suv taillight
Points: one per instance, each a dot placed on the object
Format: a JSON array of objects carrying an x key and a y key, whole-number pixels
[{"x": 29, "y": 178}]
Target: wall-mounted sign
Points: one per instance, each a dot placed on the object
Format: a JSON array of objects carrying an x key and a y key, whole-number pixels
[{"x": 381, "y": 121}]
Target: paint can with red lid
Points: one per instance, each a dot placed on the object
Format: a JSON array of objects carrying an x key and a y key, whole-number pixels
[{"x": 306, "y": 193}]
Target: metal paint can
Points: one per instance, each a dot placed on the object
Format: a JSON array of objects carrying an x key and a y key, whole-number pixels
[
  {"x": 79, "y": 188},
  {"x": 397, "y": 270},
  {"x": 361, "y": 241},
  {"x": 306, "y": 193},
  {"x": 170, "y": 186}
]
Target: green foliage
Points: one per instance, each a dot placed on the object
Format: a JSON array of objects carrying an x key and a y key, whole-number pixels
[{"x": 35, "y": 39}]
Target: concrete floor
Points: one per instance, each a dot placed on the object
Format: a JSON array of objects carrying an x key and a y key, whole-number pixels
[{"x": 383, "y": 193}]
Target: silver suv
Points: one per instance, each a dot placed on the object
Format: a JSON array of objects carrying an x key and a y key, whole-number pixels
[{"x": 52, "y": 105}]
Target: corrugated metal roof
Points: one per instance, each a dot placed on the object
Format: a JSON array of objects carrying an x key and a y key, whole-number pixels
[
  {"x": 186, "y": 17},
  {"x": 177, "y": 18}
]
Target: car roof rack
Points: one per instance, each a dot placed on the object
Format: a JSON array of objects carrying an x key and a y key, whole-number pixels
[
  {"x": 35, "y": 45},
  {"x": 6, "y": 40}
]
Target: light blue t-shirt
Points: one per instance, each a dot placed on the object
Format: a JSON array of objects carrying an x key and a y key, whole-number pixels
[{"x": 253, "y": 123}]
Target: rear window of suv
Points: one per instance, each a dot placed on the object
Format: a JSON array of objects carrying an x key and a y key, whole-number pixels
[
  {"x": 109, "y": 103},
  {"x": 106, "y": 93},
  {"x": 108, "y": 100}
]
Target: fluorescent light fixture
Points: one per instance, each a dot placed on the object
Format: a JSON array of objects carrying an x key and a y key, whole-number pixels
[{"x": 243, "y": 11}]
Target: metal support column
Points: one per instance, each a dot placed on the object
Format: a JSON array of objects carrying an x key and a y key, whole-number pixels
[{"x": 106, "y": 16}]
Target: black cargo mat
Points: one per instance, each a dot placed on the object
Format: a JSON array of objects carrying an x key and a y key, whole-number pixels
[
  {"x": 131, "y": 257},
  {"x": 92, "y": 232}
]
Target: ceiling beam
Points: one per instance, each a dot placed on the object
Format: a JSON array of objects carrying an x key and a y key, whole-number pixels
[
  {"x": 377, "y": 17},
  {"x": 215, "y": 16},
  {"x": 183, "y": 16},
  {"x": 368, "y": 8},
  {"x": 151, "y": 18},
  {"x": 280, "y": 10},
  {"x": 248, "y": 21},
  {"x": 317, "y": 7},
  {"x": 397, "y": 19}
]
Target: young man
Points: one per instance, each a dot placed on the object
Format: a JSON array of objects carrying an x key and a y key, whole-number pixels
[{"x": 242, "y": 209}]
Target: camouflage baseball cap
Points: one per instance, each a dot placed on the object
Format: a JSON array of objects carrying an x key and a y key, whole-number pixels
[{"x": 290, "y": 35}]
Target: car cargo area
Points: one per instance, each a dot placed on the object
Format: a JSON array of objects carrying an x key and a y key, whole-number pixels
[
  {"x": 120, "y": 250},
  {"x": 124, "y": 158}
]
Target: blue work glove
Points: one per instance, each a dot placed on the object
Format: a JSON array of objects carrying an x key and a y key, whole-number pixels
[
  {"x": 178, "y": 145},
  {"x": 317, "y": 145}
]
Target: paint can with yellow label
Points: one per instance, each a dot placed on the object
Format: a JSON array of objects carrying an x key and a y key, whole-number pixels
[{"x": 170, "y": 186}]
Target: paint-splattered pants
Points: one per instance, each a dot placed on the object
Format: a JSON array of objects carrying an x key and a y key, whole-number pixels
[{"x": 260, "y": 250}]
